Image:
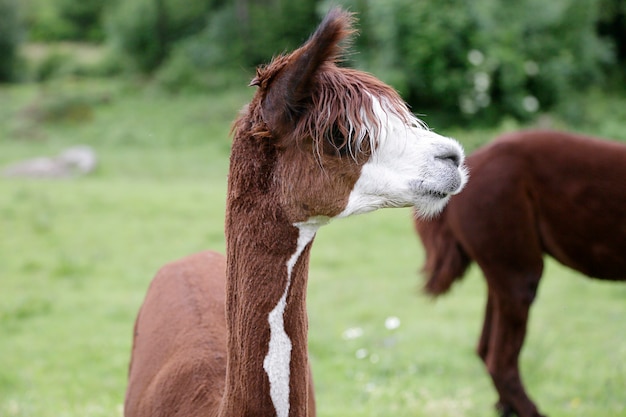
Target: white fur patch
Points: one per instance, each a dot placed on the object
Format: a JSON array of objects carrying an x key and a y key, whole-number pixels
[
  {"x": 410, "y": 166},
  {"x": 278, "y": 358}
]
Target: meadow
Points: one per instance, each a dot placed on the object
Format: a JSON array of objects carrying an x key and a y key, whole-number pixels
[{"x": 77, "y": 255}]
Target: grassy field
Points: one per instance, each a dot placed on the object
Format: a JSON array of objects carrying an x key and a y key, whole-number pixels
[{"x": 77, "y": 255}]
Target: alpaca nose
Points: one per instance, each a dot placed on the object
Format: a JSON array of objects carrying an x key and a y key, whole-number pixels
[{"x": 450, "y": 155}]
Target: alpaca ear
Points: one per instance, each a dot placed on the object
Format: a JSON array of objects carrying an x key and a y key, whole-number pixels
[{"x": 289, "y": 93}]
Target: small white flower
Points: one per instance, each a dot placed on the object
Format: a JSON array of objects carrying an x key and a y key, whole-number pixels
[
  {"x": 392, "y": 322},
  {"x": 482, "y": 81},
  {"x": 483, "y": 100},
  {"x": 475, "y": 57},
  {"x": 531, "y": 68},
  {"x": 374, "y": 358},
  {"x": 352, "y": 333},
  {"x": 361, "y": 353},
  {"x": 468, "y": 106},
  {"x": 530, "y": 104},
  {"x": 14, "y": 407}
]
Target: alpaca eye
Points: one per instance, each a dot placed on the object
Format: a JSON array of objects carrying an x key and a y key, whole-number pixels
[{"x": 336, "y": 141}]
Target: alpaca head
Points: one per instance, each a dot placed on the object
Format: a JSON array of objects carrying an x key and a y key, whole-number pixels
[{"x": 345, "y": 142}]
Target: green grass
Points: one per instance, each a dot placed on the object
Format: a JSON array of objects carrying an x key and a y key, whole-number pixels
[{"x": 77, "y": 255}]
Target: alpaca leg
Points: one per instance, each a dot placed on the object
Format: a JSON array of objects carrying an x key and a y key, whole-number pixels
[
  {"x": 485, "y": 335},
  {"x": 483, "y": 350},
  {"x": 509, "y": 321}
]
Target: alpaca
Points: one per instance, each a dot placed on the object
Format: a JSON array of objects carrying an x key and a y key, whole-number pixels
[
  {"x": 227, "y": 336},
  {"x": 532, "y": 193}
]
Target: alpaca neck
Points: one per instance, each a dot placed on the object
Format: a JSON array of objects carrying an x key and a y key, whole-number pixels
[{"x": 267, "y": 269}]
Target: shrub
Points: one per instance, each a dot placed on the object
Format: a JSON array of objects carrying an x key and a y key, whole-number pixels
[
  {"x": 132, "y": 28},
  {"x": 83, "y": 19},
  {"x": 57, "y": 20},
  {"x": 246, "y": 33},
  {"x": 146, "y": 30},
  {"x": 611, "y": 26},
  {"x": 481, "y": 60},
  {"x": 53, "y": 106},
  {"x": 10, "y": 38},
  {"x": 230, "y": 43},
  {"x": 52, "y": 65}
]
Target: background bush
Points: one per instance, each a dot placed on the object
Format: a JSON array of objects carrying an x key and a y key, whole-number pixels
[
  {"x": 10, "y": 37},
  {"x": 471, "y": 62},
  {"x": 612, "y": 27},
  {"x": 469, "y": 59},
  {"x": 63, "y": 20},
  {"x": 146, "y": 30}
]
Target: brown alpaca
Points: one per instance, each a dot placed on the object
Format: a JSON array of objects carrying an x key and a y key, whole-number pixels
[
  {"x": 531, "y": 193},
  {"x": 227, "y": 336}
]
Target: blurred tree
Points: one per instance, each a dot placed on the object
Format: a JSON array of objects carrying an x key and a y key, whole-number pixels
[
  {"x": 58, "y": 20},
  {"x": 146, "y": 30},
  {"x": 237, "y": 37},
  {"x": 277, "y": 26},
  {"x": 481, "y": 60},
  {"x": 239, "y": 32},
  {"x": 612, "y": 25},
  {"x": 11, "y": 32},
  {"x": 476, "y": 60},
  {"x": 83, "y": 18}
]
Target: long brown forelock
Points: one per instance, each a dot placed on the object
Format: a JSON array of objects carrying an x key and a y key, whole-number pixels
[
  {"x": 343, "y": 98},
  {"x": 340, "y": 99}
]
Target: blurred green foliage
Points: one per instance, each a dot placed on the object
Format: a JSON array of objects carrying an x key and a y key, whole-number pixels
[
  {"x": 63, "y": 20},
  {"x": 10, "y": 38},
  {"x": 481, "y": 59},
  {"x": 147, "y": 30},
  {"x": 83, "y": 18},
  {"x": 465, "y": 61}
]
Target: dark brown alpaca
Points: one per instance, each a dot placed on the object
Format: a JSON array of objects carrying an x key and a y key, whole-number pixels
[
  {"x": 531, "y": 193},
  {"x": 227, "y": 336}
]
